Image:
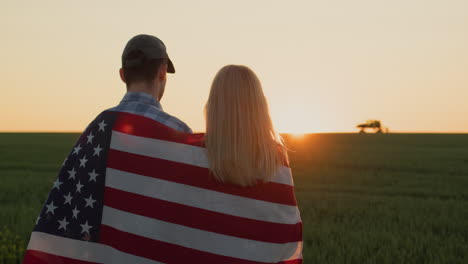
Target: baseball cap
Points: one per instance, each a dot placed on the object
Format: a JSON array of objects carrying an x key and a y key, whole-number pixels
[{"x": 150, "y": 47}]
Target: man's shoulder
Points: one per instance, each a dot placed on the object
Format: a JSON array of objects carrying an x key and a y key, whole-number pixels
[
  {"x": 179, "y": 124},
  {"x": 155, "y": 114}
]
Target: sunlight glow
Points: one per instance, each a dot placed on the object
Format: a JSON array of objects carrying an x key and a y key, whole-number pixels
[{"x": 298, "y": 135}]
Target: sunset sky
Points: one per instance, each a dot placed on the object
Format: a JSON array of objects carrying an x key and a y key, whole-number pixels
[{"x": 325, "y": 66}]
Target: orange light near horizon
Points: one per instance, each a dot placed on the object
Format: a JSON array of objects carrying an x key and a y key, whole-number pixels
[{"x": 297, "y": 135}]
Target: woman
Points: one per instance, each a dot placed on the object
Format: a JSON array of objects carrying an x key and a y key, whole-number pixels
[
  {"x": 244, "y": 150},
  {"x": 246, "y": 153},
  {"x": 241, "y": 142}
]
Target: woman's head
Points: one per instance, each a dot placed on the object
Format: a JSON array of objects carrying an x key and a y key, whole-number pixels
[{"x": 242, "y": 144}]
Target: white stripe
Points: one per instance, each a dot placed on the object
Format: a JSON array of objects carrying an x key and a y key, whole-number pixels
[
  {"x": 202, "y": 198},
  {"x": 284, "y": 176},
  {"x": 198, "y": 239},
  {"x": 82, "y": 250},
  {"x": 176, "y": 152}
]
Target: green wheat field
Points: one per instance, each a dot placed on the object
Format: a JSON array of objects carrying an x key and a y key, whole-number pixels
[{"x": 373, "y": 198}]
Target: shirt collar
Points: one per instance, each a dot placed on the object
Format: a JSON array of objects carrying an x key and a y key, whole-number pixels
[{"x": 141, "y": 97}]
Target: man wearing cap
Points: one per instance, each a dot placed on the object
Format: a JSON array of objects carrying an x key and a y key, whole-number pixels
[
  {"x": 144, "y": 66},
  {"x": 119, "y": 147}
]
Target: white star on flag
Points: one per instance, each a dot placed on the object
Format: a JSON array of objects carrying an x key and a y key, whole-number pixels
[
  {"x": 57, "y": 184},
  {"x": 63, "y": 223},
  {"x": 90, "y": 201},
  {"x": 97, "y": 150},
  {"x": 72, "y": 173},
  {"x": 68, "y": 198},
  {"x": 102, "y": 125},
  {"x": 85, "y": 227},
  {"x": 64, "y": 161},
  {"x": 83, "y": 161},
  {"x": 78, "y": 187},
  {"x": 90, "y": 138},
  {"x": 37, "y": 220},
  {"x": 76, "y": 150},
  {"x": 75, "y": 213},
  {"x": 93, "y": 175},
  {"x": 50, "y": 207}
]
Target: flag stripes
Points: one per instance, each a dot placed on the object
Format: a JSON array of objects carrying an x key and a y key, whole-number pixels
[
  {"x": 44, "y": 248},
  {"x": 209, "y": 242},
  {"x": 197, "y": 177},
  {"x": 201, "y": 198},
  {"x": 40, "y": 257},
  {"x": 169, "y": 253},
  {"x": 175, "y": 151},
  {"x": 202, "y": 219}
]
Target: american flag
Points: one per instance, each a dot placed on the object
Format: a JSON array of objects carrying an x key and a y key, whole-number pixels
[{"x": 135, "y": 191}]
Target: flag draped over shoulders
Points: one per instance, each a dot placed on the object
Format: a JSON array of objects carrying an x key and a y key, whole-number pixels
[{"x": 135, "y": 191}]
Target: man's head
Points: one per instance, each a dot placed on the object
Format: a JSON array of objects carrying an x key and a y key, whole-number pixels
[{"x": 144, "y": 65}]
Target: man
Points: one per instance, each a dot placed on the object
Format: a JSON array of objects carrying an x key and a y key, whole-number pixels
[
  {"x": 145, "y": 63},
  {"x": 69, "y": 227}
]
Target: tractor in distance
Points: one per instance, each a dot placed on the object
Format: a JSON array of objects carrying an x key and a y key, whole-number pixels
[{"x": 376, "y": 125}]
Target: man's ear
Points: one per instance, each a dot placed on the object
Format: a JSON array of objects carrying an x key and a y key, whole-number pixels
[
  {"x": 162, "y": 72},
  {"x": 122, "y": 76}
]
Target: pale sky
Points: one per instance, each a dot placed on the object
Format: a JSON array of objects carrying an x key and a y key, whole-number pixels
[{"x": 325, "y": 65}]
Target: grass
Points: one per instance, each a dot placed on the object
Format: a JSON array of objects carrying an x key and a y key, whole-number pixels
[
  {"x": 397, "y": 198},
  {"x": 28, "y": 165},
  {"x": 391, "y": 198}
]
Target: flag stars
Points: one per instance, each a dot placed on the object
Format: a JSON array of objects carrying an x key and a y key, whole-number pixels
[
  {"x": 97, "y": 150},
  {"x": 90, "y": 201},
  {"x": 37, "y": 220},
  {"x": 83, "y": 161},
  {"x": 85, "y": 227},
  {"x": 93, "y": 175},
  {"x": 63, "y": 223},
  {"x": 78, "y": 187},
  {"x": 102, "y": 125},
  {"x": 51, "y": 208},
  {"x": 90, "y": 137},
  {"x": 64, "y": 162},
  {"x": 57, "y": 184},
  {"x": 71, "y": 173},
  {"x": 75, "y": 213},
  {"x": 68, "y": 199},
  {"x": 77, "y": 149}
]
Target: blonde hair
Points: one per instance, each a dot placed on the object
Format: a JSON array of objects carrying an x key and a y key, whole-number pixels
[{"x": 241, "y": 142}]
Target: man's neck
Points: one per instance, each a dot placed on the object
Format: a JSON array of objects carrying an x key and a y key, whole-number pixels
[{"x": 144, "y": 88}]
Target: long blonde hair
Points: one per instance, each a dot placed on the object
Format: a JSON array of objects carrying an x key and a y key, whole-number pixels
[{"x": 241, "y": 142}]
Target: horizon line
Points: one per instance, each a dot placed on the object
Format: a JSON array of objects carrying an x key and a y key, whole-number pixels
[{"x": 289, "y": 133}]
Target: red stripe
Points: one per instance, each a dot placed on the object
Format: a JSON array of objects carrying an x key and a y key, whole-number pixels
[
  {"x": 197, "y": 176},
  {"x": 138, "y": 125},
  {"x": 202, "y": 219},
  {"x": 39, "y": 257},
  {"x": 162, "y": 251},
  {"x": 141, "y": 126}
]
